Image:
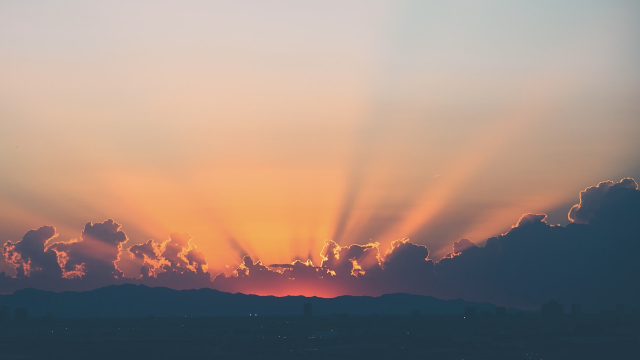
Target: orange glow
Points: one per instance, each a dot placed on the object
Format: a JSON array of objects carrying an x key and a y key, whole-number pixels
[
  {"x": 266, "y": 133},
  {"x": 458, "y": 174}
]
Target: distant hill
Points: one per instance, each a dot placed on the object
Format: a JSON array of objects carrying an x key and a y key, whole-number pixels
[{"x": 141, "y": 301}]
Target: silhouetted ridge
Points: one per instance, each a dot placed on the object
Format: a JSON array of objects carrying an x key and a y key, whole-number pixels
[{"x": 140, "y": 301}]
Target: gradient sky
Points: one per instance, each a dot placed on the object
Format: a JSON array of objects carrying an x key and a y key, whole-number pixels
[{"x": 266, "y": 128}]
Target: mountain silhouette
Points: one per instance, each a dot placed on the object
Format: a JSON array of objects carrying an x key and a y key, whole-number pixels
[{"x": 140, "y": 301}]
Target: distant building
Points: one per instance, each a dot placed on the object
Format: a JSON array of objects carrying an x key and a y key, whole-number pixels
[
  {"x": 416, "y": 313},
  {"x": 4, "y": 314},
  {"x": 552, "y": 310},
  {"x": 576, "y": 309},
  {"x": 20, "y": 314},
  {"x": 469, "y": 312},
  {"x": 501, "y": 312},
  {"x": 306, "y": 310}
]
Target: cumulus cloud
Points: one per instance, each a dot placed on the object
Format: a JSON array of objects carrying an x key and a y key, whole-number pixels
[
  {"x": 350, "y": 260},
  {"x": 592, "y": 263},
  {"x": 591, "y": 260},
  {"x": 531, "y": 220},
  {"x": 462, "y": 245},
  {"x": 351, "y": 270},
  {"x": 90, "y": 261},
  {"x": 175, "y": 255},
  {"x": 77, "y": 264},
  {"x": 30, "y": 256},
  {"x": 176, "y": 262},
  {"x": 601, "y": 197},
  {"x": 253, "y": 277},
  {"x": 151, "y": 255},
  {"x": 94, "y": 254}
]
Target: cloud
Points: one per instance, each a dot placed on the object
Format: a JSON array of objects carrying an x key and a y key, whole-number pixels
[
  {"x": 77, "y": 264},
  {"x": 182, "y": 256},
  {"x": 95, "y": 254},
  {"x": 176, "y": 262},
  {"x": 353, "y": 270},
  {"x": 175, "y": 255},
  {"x": 90, "y": 261},
  {"x": 462, "y": 245},
  {"x": 592, "y": 261},
  {"x": 81, "y": 264},
  {"x": 531, "y": 220},
  {"x": 532, "y": 263},
  {"x": 151, "y": 255},
  {"x": 600, "y": 198},
  {"x": 255, "y": 278},
  {"x": 350, "y": 260},
  {"x": 406, "y": 256},
  {"x": 30, "y": 257}
]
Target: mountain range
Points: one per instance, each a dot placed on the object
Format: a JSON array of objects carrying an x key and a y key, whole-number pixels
[{"x": 141, "y": 301}]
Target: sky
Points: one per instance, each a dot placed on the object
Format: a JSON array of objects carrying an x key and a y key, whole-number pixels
[{"x": 268, "y": 129}]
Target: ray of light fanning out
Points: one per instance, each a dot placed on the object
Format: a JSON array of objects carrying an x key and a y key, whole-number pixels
[
  {"x": 276, "y": 130},
  {"x": 506, "y": 269}
]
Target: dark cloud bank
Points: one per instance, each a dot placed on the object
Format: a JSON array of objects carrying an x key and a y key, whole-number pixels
[{"x": 593, "y": 260}]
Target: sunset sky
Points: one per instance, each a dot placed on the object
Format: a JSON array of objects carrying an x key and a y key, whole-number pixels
[{"x": 265, "y": 128}]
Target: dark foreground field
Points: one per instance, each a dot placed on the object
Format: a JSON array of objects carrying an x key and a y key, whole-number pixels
[{"x": 326, "y": 337}]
